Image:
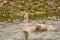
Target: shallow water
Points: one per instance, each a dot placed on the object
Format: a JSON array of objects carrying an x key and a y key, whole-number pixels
[{"x": 13, "y": 31}]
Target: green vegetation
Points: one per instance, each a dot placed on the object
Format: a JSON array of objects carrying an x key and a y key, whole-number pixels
[
  {"x": 40, "y": 16},
  {"x": 11, "y": 9},
  {"x": 4, "y": 16},
  {"x": 14, "y": 15}
]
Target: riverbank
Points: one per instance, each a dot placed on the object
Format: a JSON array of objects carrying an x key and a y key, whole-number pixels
[{"x": 10, "y": 16}]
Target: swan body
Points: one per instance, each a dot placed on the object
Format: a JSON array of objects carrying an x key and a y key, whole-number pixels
[{"x": 40, "y": 27}]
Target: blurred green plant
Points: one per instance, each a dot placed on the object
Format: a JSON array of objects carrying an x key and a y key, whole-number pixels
[{"x": 11, "y": 9}]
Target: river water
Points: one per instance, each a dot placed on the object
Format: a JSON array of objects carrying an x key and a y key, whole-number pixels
[{"x": 14, "y": 31}]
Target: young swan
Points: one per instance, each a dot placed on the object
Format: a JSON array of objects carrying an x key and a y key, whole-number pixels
[{"x": 40, "y": 27}]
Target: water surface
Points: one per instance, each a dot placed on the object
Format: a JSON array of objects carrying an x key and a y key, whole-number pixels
[{"x": 13, "y": 31}]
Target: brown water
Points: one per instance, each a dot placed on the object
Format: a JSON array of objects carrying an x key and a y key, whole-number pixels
[{"x": 13, "y": 31}]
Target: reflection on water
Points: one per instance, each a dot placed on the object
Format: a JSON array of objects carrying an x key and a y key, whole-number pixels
[{"x": 12, "y": 31}]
